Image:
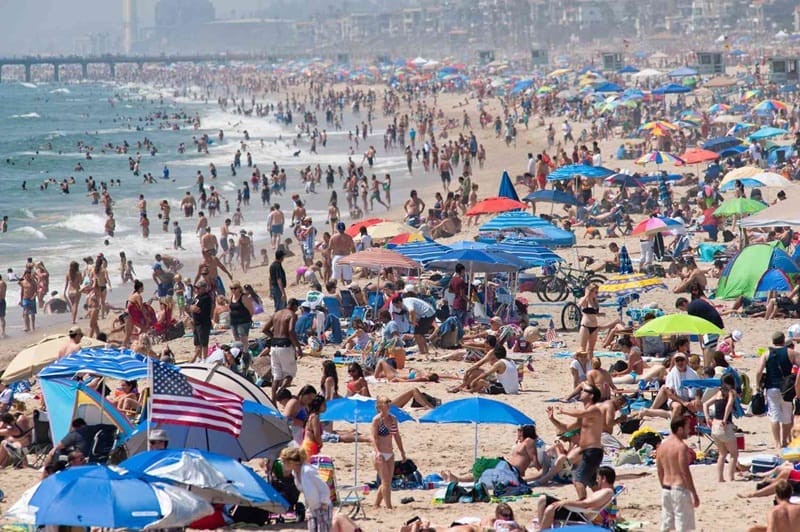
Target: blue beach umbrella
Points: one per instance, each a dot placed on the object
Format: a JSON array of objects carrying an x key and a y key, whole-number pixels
[
  {"x": 479, "y": 260},
  {"x": 476, "y": 411},
  {"x": 766, "y": 132},
  {"x": 570, "y": 171},
  {"x": 552, "y": 196},
  {"x": 358, "y": 409},
  {"x": 672, "y": 88},
  {"x": 97, "y": 496},
  {"x": 718, "y": 144},
  {"x": 217, "y": 478},
  {"x": 422, "y": 252},
  {"x": 628, "y": 69},
  {"x": 507, "y": 189}
]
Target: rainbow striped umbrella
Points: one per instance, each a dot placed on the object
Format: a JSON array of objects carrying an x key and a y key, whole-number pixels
[
  {"x": 749, "y": 95},
  {"x": 660, "y": 124},
  {"x": 659, "y": 157},
  {"x": 657, "y": 224},
  {"x": 771, "y": 105},
  {"x": 719, "y": 108}
]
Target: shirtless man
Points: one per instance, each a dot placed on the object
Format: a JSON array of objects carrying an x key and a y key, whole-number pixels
[
  {"x": 187, "y": 204},
  {"x": 275, "y": 222},
  {"x": 211, "y": 264},
  {"x": 170, "y": 263},
  {"x": 73, "y": 344},
  {"x": 523, "y": 455},
  {"x": 299, "y": 212},
  {"x": 609, "y": 408},
  {"x": 678, "y": 495},
  {"x": 784, "y": 516},
  {"x": 209, "y": 240},
  {"x": 341, "y": 245},
  {"x": 591, "y": 430},
  {"x": 224, "y": 234},
  {"x": 110, "y": 225},
  {"x": 3, "y": 290},
  {"x": 27, "y": 299},
  {"x": 202, "y": 224},
  {"x": 141, "y": 205},
  {"x": 414, "y": 206},
  {"x": 285, "y": 349},
  {"x": 475, "y": 369}
]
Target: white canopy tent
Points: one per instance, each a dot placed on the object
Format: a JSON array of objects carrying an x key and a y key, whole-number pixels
[{"x": 783, "y": 213}]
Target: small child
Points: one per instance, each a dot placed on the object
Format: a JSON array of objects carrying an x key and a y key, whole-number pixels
[
  {"x": 285, "y": 247},
  {"x": 180, "y": 295},
  {"x": 264, "y": 257},
  {"x": 128, "y": 274}
]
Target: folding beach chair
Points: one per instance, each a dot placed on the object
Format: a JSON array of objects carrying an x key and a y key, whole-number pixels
[
  {"x": 351, "y": 497},
  {"x": 360, "y": 313},
  {"x": 41, "y": 441},
  {"x": 605, "y": 518},
  {"x": 348, "y": 302},
  {"x": 333, "y": 306}
]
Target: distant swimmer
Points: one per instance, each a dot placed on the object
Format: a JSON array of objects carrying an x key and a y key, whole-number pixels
[
  {"x": 4, "y": 225},
  {"x": 296, "y": 154}
]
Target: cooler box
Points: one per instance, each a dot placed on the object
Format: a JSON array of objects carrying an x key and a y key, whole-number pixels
[{"x": 764, "y": 462}]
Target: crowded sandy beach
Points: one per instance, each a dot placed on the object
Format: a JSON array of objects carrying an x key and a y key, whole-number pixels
[{"x": 600, "y": 265}]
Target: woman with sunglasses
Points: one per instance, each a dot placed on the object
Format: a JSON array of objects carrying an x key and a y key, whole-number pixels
[{"x": 241, "y": 308}]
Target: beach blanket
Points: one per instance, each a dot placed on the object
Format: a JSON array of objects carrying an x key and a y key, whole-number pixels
[{"x": 601, "y": 354}]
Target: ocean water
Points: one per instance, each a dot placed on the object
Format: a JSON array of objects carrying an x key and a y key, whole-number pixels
[{"x": 41, "y": 126}]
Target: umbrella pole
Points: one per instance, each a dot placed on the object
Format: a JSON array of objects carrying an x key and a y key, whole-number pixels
[
  {"x": 355, "y": 462},
  {"x": 475, "y": 448}
]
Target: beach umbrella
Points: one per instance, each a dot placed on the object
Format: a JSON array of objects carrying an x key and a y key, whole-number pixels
[
  {"x": 570, "y": 171},
  {"x": 407, "y": 238},
  {"x": 35, "y": 357},
  {"x": 698, "y": 155},
  {"x": 521, "y": 85},
  {"x": 495, "y": 205},
  {"x": 478, "y": 260},
  {"x": 476, "y": 411},
  {"x": 113, "y": 362},
  {"x": 659, "y": 157},
  {"x": 673, "y": 324},
  {"x": 355, "y": 228},
  {"x": 98, "y": 496},
  {"x": 608, "y": 87},
  {"x": 682, "y": 72},
  {"x": 750, "y": 94},
  {"x": 719, "y": 108},
  {"x": 358, "y": 409},
  {"x": 771, "y": 180},
  {"x": 507, "y": 189},
  {"x": 375, "y": 258},
  {"x": 389, "y": 229},
  {"x": 623, "y": 284},
  {"x": 531, "y": 254},
  {"x": 754, "y": 177},
  {"x": 525, "y": 223},
  {"x": 219, "y": 375},
  {"x": 766, "y": 133},
  {"x": 742, "y": 172},
  {"x": 659, "y": 124},
  {"x": 718, "y": 144},
  {"x": 624, "y": 179},
  {"x": 657, "y": 224},
  {"x": 216, "y": 478},
  {"x": 552, "y": 196},
  {"x": 671, "y": 88},
  {"x": 770, "y": 105},
  {"x": 628, "y": 69},
  {"x": 422, "y": 252},
  {"x": 264, "y": 433},
  {"x": 738, "y": 207}
]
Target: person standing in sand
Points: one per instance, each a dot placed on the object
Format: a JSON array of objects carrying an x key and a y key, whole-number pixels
[
  {"x": 72, "y": 288},
  {"x": 678, "y": 495},
  {"x": 27, "y": 300},
  {"x": 3, "y": 290},
  {"x": 342, "y": 245}
]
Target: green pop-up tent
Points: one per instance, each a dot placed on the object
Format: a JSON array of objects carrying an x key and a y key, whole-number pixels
[{"x": 744, "y": 272}]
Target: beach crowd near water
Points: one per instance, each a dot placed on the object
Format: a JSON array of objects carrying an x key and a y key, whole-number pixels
[{"x": 232, "y": 240}]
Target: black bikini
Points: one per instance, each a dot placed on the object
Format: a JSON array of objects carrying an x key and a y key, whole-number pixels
[{"x": 590, "y": 311}]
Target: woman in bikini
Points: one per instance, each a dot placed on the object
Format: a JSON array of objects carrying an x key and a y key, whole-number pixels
[
  {"x": 42, "y": 282},
  {"x": 101, "y": 283},
  {"x": 72, "y": 287},
  {"x": 136, "y": 315},
  {"x": 590, "y": 309},
  {"x": 312, "y": 437},
  {"x": 384, "y": 429},
  {"x": 296, "y": 411},
  {"x": 357, "y": 385}
]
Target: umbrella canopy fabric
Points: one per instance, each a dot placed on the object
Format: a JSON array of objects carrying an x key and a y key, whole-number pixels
[
  {"x": 380, "y": 258},
  {"x": 682, "y": 72},
  {"x": 358, "y": 409},
  {"x": 106, "y": 361},
  {"x": 36, "y": 357},
  {"x": 495, "y": 205},
  {"x": 476, "y": 411},
  {"x": 624, "y": 179},
  {"x": 771, "y": 180},
  {"x": 739, "y": 206},
  {"x": 228, "y": 379},
  {"x": 659, "y": 157},
  {"x": 741, "y": 173},
  {"x": 389, "y": 229},
  {"x": 783, "y": 213},
  {"x": 628, "y": 69},
  {"x": 657, "y": 224},
  {"x": 571, "y": 170},
  {"x": 422, "y": 252},
  {"x": 677, "y": 324},
  {"x": 217, "y": 478},
  {"x": 741, "y": 275},
  {"x": 408, "y": 238},
  {"x": 507, "y": 189},
  {"x": 625, "y": 263},
  {"x": 97, "y": 496},
  {"x": 608, "y": 87},
  {"x": 767, "y": 132},
  {"x": 770, "y": 105},
  {"x": 718, "y": 144},
  {"x": 544, "y": 232},
  {"x": 671, "y": 88},
  {"x": 264, "y": 434},
  {"x": 478, "y": 260},
  {"x": 355, "y": 228},
  {"x": 552, "y": 196},
  {"x": 623, "y": 284},
  {"x": 531, "y": 255},
  {"x": 699, "y": 155}
]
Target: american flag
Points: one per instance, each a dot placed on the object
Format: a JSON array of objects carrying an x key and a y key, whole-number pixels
[
  {"x": 551, "y": 335},
  {"x": 181, "y": 400}
]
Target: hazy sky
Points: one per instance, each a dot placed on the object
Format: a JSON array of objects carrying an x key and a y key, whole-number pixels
[{"x": 53, "y": 26}]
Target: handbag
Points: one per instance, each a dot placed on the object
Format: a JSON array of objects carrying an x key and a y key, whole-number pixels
[{"x": 758, "y": 405}]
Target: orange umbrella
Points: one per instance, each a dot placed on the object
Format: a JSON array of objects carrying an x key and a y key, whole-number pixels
[
  {"x": 496, "y": 205},
  {"x": 380, "y": 258},
  {"x": 698, "y": 155},
  {"x": 354, "y": 229}
]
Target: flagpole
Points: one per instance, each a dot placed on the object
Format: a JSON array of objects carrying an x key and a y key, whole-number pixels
[{"x": 151, "y": 383}]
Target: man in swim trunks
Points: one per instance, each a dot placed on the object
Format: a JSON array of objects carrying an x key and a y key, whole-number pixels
[
  {"x": 341, "y": 245},
  {"x": 3, "y": 290},
  {"x": 27, "y": 299},
  {"x": 590, "y": 422},
  {"x": 285, "y": 348},
  {"x": 275, "y": 222}
]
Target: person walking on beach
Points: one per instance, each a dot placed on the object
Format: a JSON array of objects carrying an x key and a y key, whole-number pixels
[
  {"x": 275, "y": 222},
  {"x": 3, "y": 290},
  {"x": 285, "y": 349},
  {"x": 341, "y": 245},
  {"x": 27, "y": 299},
  {"x": 772, "y": 368},
  {"x": 277, "y": 281},
  {"x": 678, "y": 495},
  {"x": 200, "y": 310}
]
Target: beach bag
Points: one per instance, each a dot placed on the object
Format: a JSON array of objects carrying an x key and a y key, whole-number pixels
[
  {"x": 453, "y": 493},
  {"x": 175, "y": 331},
  {"x": 758, "y": 405},
  {"x": 787, "y": 387},
  {"x": 643, "y": 436},
  {"x": 627, "y": 457},
  {"x": 629, "y": 426},
  {"x": 479, "y": 493}
]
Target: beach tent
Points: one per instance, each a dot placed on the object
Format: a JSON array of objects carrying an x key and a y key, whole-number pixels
[
  {"x": 718, "y": 144},
  {"x": 628, "y": 69},
  {"x": 783, "y": 213},
  {"x": 671, "y": 88},
  {"x": 682, "y": 72},
  {"x": 608, "y": 87},
  {"x": 539, "y": 229},
  {"x": 507, "y": 189},
  {"x": 773, "y": 279},
  {"x": 742, "y": 275}
]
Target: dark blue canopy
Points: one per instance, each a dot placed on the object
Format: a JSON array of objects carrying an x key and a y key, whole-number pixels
[
  {"x": 628, "y": 69},
  {"x": 552, "y": 196},
  {"x": 572, "y": 170},
  {"x": 671, "y": 88},
  {"x": 718, "y": 144},
  {"x": 507, "y": 189}
]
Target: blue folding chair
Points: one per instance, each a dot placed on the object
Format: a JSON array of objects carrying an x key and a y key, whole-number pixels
[
  {"x": 333, "y": 306},
  {"x": 360, "y": 313},
  {"x": 348, "y": 302}
]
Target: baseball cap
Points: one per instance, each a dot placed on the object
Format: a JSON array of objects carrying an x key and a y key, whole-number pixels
[
  {"x": 158, "y": 435},
  {"x": 678, "y": 355},
  {"x": 340, "y": 226},
  {"x": 736, "y": 335},
  {"x": 74, "y": 331}
]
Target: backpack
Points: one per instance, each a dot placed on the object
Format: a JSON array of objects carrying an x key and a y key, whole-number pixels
[{"x": 453, "y": 493}]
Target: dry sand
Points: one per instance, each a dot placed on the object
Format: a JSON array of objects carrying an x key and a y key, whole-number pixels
[{"x": 434, "y": 448}]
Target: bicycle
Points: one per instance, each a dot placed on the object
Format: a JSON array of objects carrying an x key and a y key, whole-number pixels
[{"x": 565, "y": 281}]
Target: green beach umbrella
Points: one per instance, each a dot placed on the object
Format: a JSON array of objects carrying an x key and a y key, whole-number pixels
[
  {"x": 739, "y": 206},
  {"x": 677, "y": 324}
]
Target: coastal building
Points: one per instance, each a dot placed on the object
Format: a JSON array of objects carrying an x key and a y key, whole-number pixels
[
  {"x": 784, "y": 69},
  {"x": 710, "y": 63}
]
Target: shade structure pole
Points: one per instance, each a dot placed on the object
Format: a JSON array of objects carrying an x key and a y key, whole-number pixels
[
  {"x": 475, "y": 448},
  {"x": 355, "y": 462}
]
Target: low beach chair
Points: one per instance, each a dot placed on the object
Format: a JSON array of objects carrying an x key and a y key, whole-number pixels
[
  {"x": 605, "y": 518},
  {"x": 41, "y": 441},
  {"x": 348, "y": 302},
  {"x": 327, "y": 471}
]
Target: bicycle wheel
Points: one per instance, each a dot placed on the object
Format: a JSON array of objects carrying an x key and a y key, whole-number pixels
[
  {"x": 551, "y": 290},
  {"x": 571, "y": 317},
  {"x": 597, "y": 278}
]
